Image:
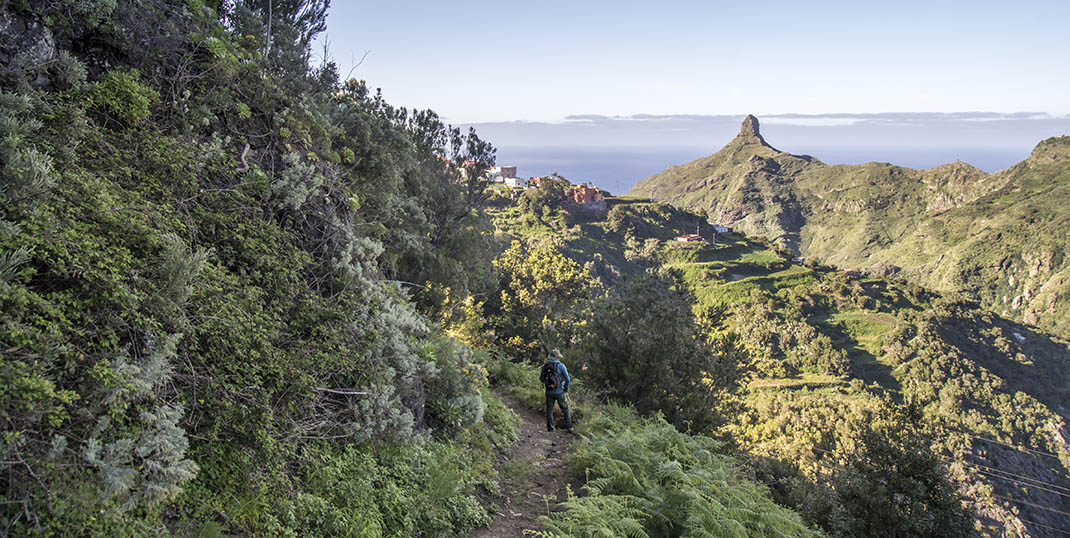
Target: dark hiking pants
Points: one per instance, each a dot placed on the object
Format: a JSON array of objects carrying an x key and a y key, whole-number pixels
[{"x": 560, "y": 399}]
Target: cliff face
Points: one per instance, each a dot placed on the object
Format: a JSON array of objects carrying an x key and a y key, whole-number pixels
[{"x": 997, "y": 238}]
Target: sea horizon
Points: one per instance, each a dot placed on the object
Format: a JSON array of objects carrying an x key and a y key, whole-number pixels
[{"x": 617, "y": 170}]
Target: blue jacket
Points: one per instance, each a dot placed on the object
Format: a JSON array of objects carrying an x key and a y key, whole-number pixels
[{"x": 563, "y": 372}]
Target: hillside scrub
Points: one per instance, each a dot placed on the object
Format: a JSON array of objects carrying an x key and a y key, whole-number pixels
[
  {"x": 836, "y": 346},
  {"x": 208, "y": 251},
  {"x": 843, "y": 379},
  {"x": 645, "y": 346},
  {"x": 544, "y": 300}
]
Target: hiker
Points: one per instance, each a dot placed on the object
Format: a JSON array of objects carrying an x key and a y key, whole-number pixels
[{"x": 555, "y": 378}]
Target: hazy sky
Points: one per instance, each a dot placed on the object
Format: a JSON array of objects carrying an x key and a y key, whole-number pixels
[
  {"x": 485, "y": 61},
  {"x": 614, "y": 152}
]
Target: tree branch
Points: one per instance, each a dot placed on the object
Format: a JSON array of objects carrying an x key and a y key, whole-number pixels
[{"x": 343, "y": 392}]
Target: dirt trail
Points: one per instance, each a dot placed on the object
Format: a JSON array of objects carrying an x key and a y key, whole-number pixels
[{"x": 533, "y": 475}]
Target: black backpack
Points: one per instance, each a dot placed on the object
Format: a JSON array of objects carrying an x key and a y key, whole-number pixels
[{"x": 552, "y": 376}]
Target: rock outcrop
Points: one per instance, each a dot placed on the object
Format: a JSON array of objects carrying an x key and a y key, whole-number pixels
[
  {"x": 25, "y": 45},
  {"x": 750, "y": 130}
]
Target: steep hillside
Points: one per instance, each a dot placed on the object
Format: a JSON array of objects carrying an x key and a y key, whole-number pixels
[
  {"x": 202, "y": 244},
  {"x": 996, "y": 238},
  {"x": 241, "y": 297},
  {"x": 846, "y": 375},
  {"x": 743, "y": 184}
]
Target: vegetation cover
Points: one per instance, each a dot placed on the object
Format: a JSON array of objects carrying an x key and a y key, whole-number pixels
[
  {"x": 998, "y": 239},
  {"x": 206, "y": 250},
  {"x": 243, "y": 297},
  {"x": 846, "y": 392},
  {"x": 644, "y": 478}
]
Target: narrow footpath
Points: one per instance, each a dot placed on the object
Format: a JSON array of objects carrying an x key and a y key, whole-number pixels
[{"x": 533, "y": 475}]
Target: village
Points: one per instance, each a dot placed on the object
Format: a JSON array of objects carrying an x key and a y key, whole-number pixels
[{"x": 584, "y": 195}]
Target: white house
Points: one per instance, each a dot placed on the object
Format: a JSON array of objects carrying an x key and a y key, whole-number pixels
[
  {"x": 499, "y": 174},
  {"x": 516, "y": 182},
  {"x": 722, "y": 229}
]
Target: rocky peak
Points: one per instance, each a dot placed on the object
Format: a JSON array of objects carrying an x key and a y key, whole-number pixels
[
  {"x": 750, "y": 126},
  {"x": 749, "y": 130}
]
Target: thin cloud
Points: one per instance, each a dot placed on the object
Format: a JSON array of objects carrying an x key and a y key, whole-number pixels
[{"x": 817, "y": 120}]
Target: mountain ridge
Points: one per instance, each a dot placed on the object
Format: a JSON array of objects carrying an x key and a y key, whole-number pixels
[{"x": 933, "y": 225}]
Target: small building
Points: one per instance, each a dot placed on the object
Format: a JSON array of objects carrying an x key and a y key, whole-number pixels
[
  {"x": 516, "y": 182},
  {"x": 690, "y": 238},
  {"x": 585, "y": 194},
  {"x": 722, "y": 229},
  {"x": 498, "y": 174},
  {"x": 494, "y": 175}
]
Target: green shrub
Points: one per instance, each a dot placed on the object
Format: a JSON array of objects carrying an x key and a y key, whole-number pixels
[
  {"x": 119, "y": 94},
  {"x": 521, "y": 381},
  {"x": 502, "y": 421},
  {"x": 453, "y": 386},
  {"x": 646, "y": 347},
  {"x": 389, "y": 491}
]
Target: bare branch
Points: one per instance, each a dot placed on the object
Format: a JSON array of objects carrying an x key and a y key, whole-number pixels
[
  {"x": 343, "y": 392},
  {"x": 244, "y": 165}
]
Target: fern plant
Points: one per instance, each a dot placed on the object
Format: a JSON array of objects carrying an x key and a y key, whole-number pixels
[{"x": 645, "y": 478}]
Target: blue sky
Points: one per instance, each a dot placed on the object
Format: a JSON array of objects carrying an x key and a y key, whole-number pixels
[
  {"x": 482, "y": 61},
  {"x": 611, "y": 92}
]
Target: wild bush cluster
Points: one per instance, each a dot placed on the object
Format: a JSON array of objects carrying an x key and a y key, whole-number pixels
[
  {"x": 959, "y": 392},
  {"x": 218, "y": 269}
]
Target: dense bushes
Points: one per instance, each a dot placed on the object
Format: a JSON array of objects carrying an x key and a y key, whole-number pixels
[
  {"x": 866, "y": 344},
  {"x": 838, "y": 455},
  {"x": 645, "y": 347},
  {"x": 544, "y": 300},
  {"x": 203, "y": 243},
  {"x": 383, "y": 490}
]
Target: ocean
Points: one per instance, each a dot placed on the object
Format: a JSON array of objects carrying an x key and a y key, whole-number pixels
[{"x": 618, "y": 169}]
